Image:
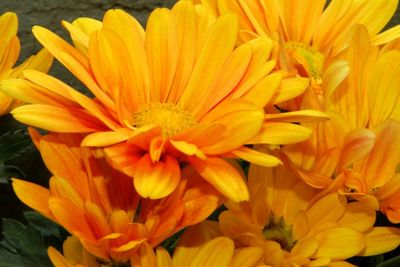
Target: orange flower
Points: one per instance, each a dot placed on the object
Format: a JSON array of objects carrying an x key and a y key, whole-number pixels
[
  {"x": 9, "y": 53},
  {"x": 178, "y": 92},
  {"x": 310, "y": 33},
  {"x": 194, "y": 249},
  {"x": 293, "y": 228},
  {"x": 99, "y": 205},
  {"x": 356, "y": 151}
]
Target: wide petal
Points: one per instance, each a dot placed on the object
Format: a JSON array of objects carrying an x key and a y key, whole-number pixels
[
  {"x": 223, "y": 176},
  {"x": 380, "y": 240},
  {"x": 156, "y": 179}
]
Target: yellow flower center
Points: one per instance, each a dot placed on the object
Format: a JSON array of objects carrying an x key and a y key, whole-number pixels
[
  {"x": 279, "y": 232},
  {"x": 306, "y": 59},
  {"x": 172, "y": 119}
]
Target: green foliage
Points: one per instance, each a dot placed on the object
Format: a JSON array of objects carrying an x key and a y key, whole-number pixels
[
  {"x": 12, "y": 146},
  {"x": 393, "y": 262},
  {"x": 22, "y": 245}
]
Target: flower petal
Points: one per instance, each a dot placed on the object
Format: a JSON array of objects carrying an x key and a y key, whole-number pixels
[
  {"x": 223, "y": 176},
  {"x": 156, "y": 179}
]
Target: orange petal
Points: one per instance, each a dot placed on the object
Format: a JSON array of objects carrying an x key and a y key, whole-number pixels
[
  {"x": 215, "y": 253},
  {"x": 223, "y": 176},
  {"x": 123, "y": 157},
  {"x": 33, "y": 195},
  {"x": 102, "y": 139},
  {"x": 156, "y": 179},
  {"x": 57, "y": 119},
  {"x": 161, "y": 51}
]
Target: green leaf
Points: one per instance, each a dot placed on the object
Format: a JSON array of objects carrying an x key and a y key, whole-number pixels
[
  {"x": 393, "y": 262},
  {"x": 8, "y": 171},
  {"x": 375, "y": 260},
  {"x": 22, "y": 246},
  {"x": 13, "y": 144},
  {"x": 46, "y": 227}
]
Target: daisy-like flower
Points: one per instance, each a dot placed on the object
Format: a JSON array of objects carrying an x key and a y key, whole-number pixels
[
  {"x": 295, "y": 229},
  {"x": 195, "y": 249},
  {"x": 310, "y": 33},
  {"x": 99, "y": 206},
  {"x": 356, "y": 151},
  {"x": 9, "y": 53},
  {"x": 179, "y": 92}
]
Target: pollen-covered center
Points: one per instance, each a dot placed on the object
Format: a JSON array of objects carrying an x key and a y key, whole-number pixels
[
  {"x": 308, "y": 61},
  {"x": 278, "y": 231},
  {"x": 171, "y": 118}
]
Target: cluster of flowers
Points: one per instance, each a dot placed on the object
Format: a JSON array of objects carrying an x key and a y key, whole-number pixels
[{"x": 305, "y": 91}]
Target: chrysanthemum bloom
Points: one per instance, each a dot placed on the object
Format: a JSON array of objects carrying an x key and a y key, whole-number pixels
[
  {"x": 283, "y": 218},
  {"x": 356, "y": 152},
  {"x": 178, "y": 92},
  {"x": 99, "y": 206},
  {"x": 9, "y": 53},
  {"x": 310, "y": 32},
  {"x": 193, "y": 250}
]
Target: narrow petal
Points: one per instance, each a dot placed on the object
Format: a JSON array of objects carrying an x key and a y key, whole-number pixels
[
  {"x": 279, "y": 133},
  {"x": 156, "y": 179},
  {"x": 256, "y": 157},
  {"x": 34, "y": 196},
  {"x": 290, "y": 88},
  {"x": 358, "y": 216},
  {"x": 223, "y": 176},
  {"x": 298, "y": 116},
  {"x": 102, "y": 139},
  {"x": 57, "y": 119},
  {"x": 162, "y": 52},
  {"x": 327, "y": 209}
]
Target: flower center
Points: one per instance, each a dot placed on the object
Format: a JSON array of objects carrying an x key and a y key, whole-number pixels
[
  {"x": 279, "y": 232},
  {"x": 172, "y": 119},
  {"x": 308, "y": 61}
]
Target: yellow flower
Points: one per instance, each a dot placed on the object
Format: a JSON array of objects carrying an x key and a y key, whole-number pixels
[
  {"x": 9, "y": 53},
  {"x": 176, "y": 93},
  {"x": 310, "y": 33},
  {"x": 284, "y": 218},
  {"x": 99, "y": 206},
  {"x": 356, "y": 152}
]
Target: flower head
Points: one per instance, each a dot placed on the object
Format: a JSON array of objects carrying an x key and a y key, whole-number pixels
[
  {"x": 99, "y": 205},
  {"x": 284, "y": 218},
  {"x": 309, "y": 33},
  {"x": 9, "y": 53},
  {"x": 177, "y": 93},
  {"x": 356, "y": 152}
]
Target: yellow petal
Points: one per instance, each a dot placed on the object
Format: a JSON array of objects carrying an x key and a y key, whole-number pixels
[
  {"x": 223, "y": 176},
  {"x": 278, "y": 133},
  {"x": 358, "y": 216},
  {"x": 328, "y": 209},
  {"x": 57, "y": 259},
  {"x": 213, "y": 55},
  {"x": 339, "y": 243},
  {"x": 298, "y": 116},
  {"x": 215, "y": 253},
  {"x": 256, "y": 157},
  {"x": 290, "y": 88},
  {"x": 380, "y": 240},
  {"x": 156, "y": 180}
]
